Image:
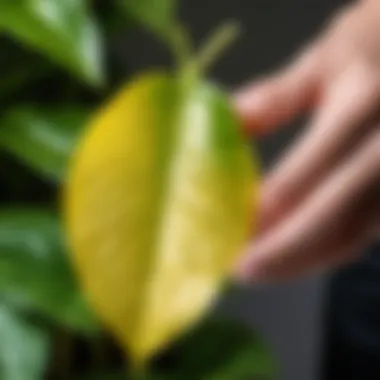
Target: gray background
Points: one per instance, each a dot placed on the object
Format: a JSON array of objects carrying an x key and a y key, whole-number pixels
[{"x": 289, "y": 316}]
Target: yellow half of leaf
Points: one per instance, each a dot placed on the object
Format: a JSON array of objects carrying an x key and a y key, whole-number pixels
[{"x": 159, "y": 202}]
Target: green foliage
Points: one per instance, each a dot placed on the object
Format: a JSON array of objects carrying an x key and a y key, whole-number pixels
[
  {"x": 63, "y": 30},
  {"x": 225, "y": 350},
  {"x": 216, "y": 350},
  {"x": 50, "y": 51},
  {"x": 157, "y": 15},
  {"x": 42, "y": 138},
  {"x": 34, "y": 270},
  {"x": 23, "y": 347}
]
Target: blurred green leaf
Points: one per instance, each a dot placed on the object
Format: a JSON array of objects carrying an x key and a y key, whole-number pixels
[
  {"x": 63, "y": 30},
  {"x": 112, "y": 17},
  {"x": 222, "y": 350},
  {"x": 23, "y": 347},
  {"x": 34, "y": 271},
  {"x": 43, "y": 139},
  {"x": 157, "y": 15}
]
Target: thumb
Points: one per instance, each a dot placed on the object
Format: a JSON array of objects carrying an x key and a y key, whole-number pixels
[{"x": 269, "y": 103}]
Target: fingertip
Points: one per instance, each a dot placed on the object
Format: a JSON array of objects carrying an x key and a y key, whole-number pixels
[
  {"x": 251, "y": 107},
  {"x": 263, "y": 108},
  {"x": 276, "y": 100},
  {"x": 249, "y": 100}
]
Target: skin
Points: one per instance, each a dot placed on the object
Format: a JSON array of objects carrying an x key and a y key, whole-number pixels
[{"x": 320, "y": 205}]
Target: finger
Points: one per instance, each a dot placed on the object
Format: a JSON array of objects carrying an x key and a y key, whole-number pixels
[
  {"x": 324, "y": 253},
  {"x": 336, "y": 129},
  {"x": 308, "y": 237},
  {"x": 265, "y": 105}
]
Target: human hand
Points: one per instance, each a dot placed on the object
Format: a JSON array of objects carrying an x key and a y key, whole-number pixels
[{"x": 320, "y": 206}]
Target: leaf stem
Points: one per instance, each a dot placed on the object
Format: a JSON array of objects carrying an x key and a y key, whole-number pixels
[{"x": 215, "y": 45}]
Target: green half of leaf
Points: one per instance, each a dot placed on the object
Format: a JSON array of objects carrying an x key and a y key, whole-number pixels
[
  {"x": 43, "y": 139},
  {"x": 65, "y": 31},
  {"x": 23, "y": 347},
  {"x": 34, "y": 272}
]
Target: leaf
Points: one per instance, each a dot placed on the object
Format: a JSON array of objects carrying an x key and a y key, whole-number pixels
[
  {"x": 34, "y": 272},
  {"x": 23, "y": 347},
  {"x": 222, "y": 350},
  {"x": 65, "y": 31},
  {"x": 158, "y": 206},
  {"x": 42, "y": 138},
  {"x": 157, "y": 15}
]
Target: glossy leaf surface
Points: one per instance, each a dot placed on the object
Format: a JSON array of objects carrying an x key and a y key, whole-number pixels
[
  {"x": 34, "y": 270},
  {"x": 65, "y": 31},
  {"x": 23, "y": 347},
  {"x": 158, "y": 202},
  {"x": 42, "y": 139}
]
